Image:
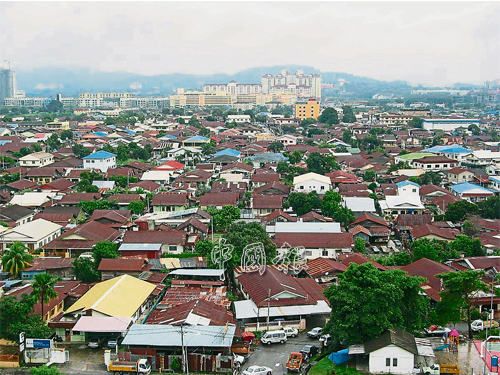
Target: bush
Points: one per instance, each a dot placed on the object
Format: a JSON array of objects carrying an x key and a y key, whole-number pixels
[
  {"x": 475, "y": 315},
  {"x": 175, "y": 363}
]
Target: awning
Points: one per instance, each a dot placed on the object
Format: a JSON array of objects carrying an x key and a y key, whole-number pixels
[
  {"x": 247, "y": 309},
  {"x": 102, "y": 324}
]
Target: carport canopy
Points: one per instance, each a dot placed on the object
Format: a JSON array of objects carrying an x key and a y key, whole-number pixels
[{"x": 102, "y": 324}]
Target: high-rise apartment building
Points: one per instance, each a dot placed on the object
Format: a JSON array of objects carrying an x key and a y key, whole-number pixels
[
  {"x": 233, "y": 88},
  {"x": 295, "y": 84},
  {"x": 7, "y": 84}
]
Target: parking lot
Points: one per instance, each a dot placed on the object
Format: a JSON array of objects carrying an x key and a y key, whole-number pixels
[{"x": 276, "y": 355}]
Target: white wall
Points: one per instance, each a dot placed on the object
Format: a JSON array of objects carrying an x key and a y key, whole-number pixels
[
  {"x": 405, "y": 361},
  {"x": 308, "y": 186},
  {"x": 102, "y": 164}
]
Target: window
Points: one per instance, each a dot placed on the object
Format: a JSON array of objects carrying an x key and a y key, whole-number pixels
[
  {"x": 324, "y": 253},
  {"x": 172, "y": 248},
  {"x": 387, "y": 362},
  {"x": 395, "y": 362},
  {"x": 414, "y": 190},
  {"x": 309, "y": 253},
  {"x": 322, "y": 188}
]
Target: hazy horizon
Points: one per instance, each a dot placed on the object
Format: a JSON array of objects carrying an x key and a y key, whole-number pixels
[{"x": 433, "y": 43}]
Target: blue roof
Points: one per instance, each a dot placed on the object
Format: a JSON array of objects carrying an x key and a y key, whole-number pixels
[
  {"x": 129, "y": 132},
  {"x": 463, "y": 187},
  {"x": 228, "y": 151},
  {"x": 268, "y": 157},
  {"x": 197, "y": 138},
  {"x": 5, "y": 142},
  {"x": 407, "y": 182},
  {"x": 100, "y": 155},
  {"x": 111, "y": 126},
  {"x": 453, "y": 149},
  {"x": 99, "y": 116},
  {"x": 100, "y": 134},
  {"x": 495, "y": 178}
]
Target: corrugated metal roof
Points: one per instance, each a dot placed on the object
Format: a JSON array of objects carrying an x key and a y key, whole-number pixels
[
  {"x": 198, "y": 272},
  {"x": 170, "y": 336},
  {"x": 247, "y": 309},
  {"x": 140, "y": 246},
  {"x": 102, "y": 324}
]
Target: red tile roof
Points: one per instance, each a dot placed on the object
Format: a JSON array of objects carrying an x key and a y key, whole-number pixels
[
  {"x": 429, "y": 269},
  {"x": 275, "y": 214},
  {"x": 267, "y": 201},
  {"x": 76, "y": 198},
  {"x": 321, "y": 266},
  {"x": 42, "y": 264},
  {"x": 166, "y": 237},
  {"x": 124, "y": 265},
  {"x": 357, "y": 258},
  {"x": 170, "y": 199},
  {"x": 219, "y": 199},
  {"x": 429, "y": 229},
  {"x": 369, "y": 217}
]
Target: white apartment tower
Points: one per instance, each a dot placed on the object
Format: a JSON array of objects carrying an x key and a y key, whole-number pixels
[{"x": 296, "y": 84}]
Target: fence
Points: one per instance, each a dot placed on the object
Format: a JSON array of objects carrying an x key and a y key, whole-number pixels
[
  {"x": 9, "y": 361},
  {"x": 262, "y": 326}
]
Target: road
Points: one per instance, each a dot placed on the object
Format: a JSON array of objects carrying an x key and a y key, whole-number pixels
[{"x": 276, "y": 355}]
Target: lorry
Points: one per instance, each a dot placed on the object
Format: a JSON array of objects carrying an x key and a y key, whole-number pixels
[
  {"x": 479, "y": 325},
  {"x": 436, "y": 369},
  {"x": 294, "y": 362},
  {"x": 142, "y": 366}
]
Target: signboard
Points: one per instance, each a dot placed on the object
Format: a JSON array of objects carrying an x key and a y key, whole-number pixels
[
  {"x": 38, "y": 343},
  {"x": 21, "y": 342}
]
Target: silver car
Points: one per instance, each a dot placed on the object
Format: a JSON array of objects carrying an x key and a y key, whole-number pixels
[{"x": 258, "y": 370}]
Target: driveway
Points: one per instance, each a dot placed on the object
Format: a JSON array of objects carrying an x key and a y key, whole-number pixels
[{"x": 276, "y": 355}]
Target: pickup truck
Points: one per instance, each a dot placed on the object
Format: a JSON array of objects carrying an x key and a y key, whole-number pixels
[
  {"x": 479, "y": 325},
  {"x": 294, "y": 362},
  {"x": 140, "y": 367},
  {"x": 441, "y": 369}
]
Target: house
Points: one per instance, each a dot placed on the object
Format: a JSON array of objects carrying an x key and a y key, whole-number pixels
[
  {"x": 287, "y": 139},
  {"x": 194, "y": 226},
  {"x": 431, "y": 232},
  {"x": 123, "y": 200},
  {"x": 111, "y": 268},
  {"x": 434, "y": 163},
  {"x": 150, "y": 186},
  {"x": 143, "y": 250},
  {"x": 264, "y": 204},
  {"x": 261, "y": 179},
  {"x": 172, "y": 241},
  {"x": 358, "y": 258},
  {"x": 43, "y": 175},
  {"x": 218, "y": 200},
  {"x": 276, "y": 216},
  {"x": 74, "y": 199},
  {"x": 359, "y": 204},
  {"x": 407, "y": 200},
  {"x": 341, "y": 177},
  {"x": 117, "y": 219},
  {"x": 20, "y": 185},
  {"x": 168, "y": 202},
  {"x": 429, "y": 269},
  {"x": 325, "y": 270},
  {"x": 316, "y": 244},
  {"x": 371, "y": 228},
  {"x": 33, "y": 234},
  {"x": 196, "y": 142},
  {"x": 57, "y": 267},
  {"x": 15, "y": 215},
  {"x": 194, "y": 179},
  {"x": 471, "y": 192},
  {"x": 273, "y": 188},
  {"x": 58, "y": 186},
  {"x": 81, "y": 239},
  {"x": 237, "y": 168},
  {"x": 101, "y": 160},
  {"x": 311, "y": 182},
  {"x": 36, "y": 160},
  {"x": 457, "y": 175}
]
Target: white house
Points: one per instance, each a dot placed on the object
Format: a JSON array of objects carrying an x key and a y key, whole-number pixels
[
  {"x": 101, "y": 160},
  {"x": 482, "y": 157},
  {"x": 287, "y": 139},
  {"x": 406, "y": 201},
  {"x": 36, "y": 160},
  {"x": 34, "y": 234},
  {"x": 239, "y": 119},
  {"x": 309, "y": 182}
]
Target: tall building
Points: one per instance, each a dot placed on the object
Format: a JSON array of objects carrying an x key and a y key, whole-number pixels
[
  {"x": 233, "y": 88},
  {"x": 7, "y": 84},
  {"x": 304, "y": 86},
  {"x": 309, "y": 109}
]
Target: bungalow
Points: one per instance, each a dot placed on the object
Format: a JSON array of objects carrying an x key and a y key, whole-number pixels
[
  {"x": 117, "y": 219},
  {"x": 324, "y": 270},
  {"x": 196, "y": 141},
  {"x": 471, "y": 192},
  {"x": 36, "y": 160},
  {"x": 434, "y": 163},
  {"x": 276, "y": 216},
  {"x": 32, "y": 199},
  {"x": 261, "y": 179},
  {"x": 44, "y": 175},
  {"x": 312, "y": 182},
  {"x": 287, "y": 139},
  {"x": 168, "y": 202},
  {"x": 101, "y": 160},
  {"x": 273, "y": 188},
  {"x": 172, "y": 241},
  {"x": 15, "y": 215},
  {"x": 265, "y": 204},
  {"x": 33, "y": 234},
  {"x": 316, "y": 244},
  {"x": 457, "y": 175},
  {"x": 194, "y": 226},
  {"x": 111, "y": 268},
  {"x": 429, "y": 269},
  {"x": 58, "y": 267},
  {"x": 218, "y": 200},
  {"x": 194, "y": 179},
  {"x": 406, "y": 201},
  {"x": 341, "y": 177},
  {"x": 74, "y": 199},
  {"x": 431, "y": 232}
]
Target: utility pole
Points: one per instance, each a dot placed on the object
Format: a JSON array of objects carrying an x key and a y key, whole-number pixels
[
  {"x": 268, "y": 302},
  {"x": 184, "y": 357},
  {"x": 212, "y": 222}
]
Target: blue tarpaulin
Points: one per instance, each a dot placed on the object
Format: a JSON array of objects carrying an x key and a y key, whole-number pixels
[{"x": 342, "y": 356}]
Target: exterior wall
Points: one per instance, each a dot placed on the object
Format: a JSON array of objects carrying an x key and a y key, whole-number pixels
[
  {"x": 168, "y": 208},
  {"x": 308, "y": 186},
  {"x": 464, "y": 176},
  {"x": 378, "y": 358},
  {"x": 324, "y": 252},
  {"x": 102, "y": 164},
  {"x": 434, "y": 166},
  {"x": 310, "y": 109},
  {"x": 36, "y": 162}
]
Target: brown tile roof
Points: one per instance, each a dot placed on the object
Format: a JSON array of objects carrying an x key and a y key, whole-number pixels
[
  {"x": 280, "y": 187},
  {"x": 275, "y": 214},
  {"x": 179, "y": 294},
  {"x": 357, "y": 258},
  {"x": 429, "y": 269},
  {"x": 428, "y": 230},
  {"x": 42, "y": 264},
  {"x": 219, "y": 199},
  {"x": 435, "y": 159},
  {"x": 456, "y": 170},
  {"x": 170, "y": 199},
  {"x": 430, "y": 188},
  {"x": 411, "y": 220},
  {"x": 314, "y": 216},
  {"x": 166, "y": 237},
  {"x": 61, "y": 184},
  {"x": 116, "y": 216},
  {"x": 61, "y": 219},
  {"x": 76, "y": 198},
  {"x": 123, "y": 264},
  {"x": 265, "y": 177},
  {"x": 369, "y": 217},
  {"x": 124, "y": 198},
  {"x": 243, "y": 166},
  {"x": 195, "y": 223},
  {"x": 267, "y": 201},
  {"x": 196, "y": 175},
  {"x": 343, "y": 177},
  {"x": 146, "y": 185},
  {"x": 321, "y": 266},
  {"x": 22, "y": 184}
]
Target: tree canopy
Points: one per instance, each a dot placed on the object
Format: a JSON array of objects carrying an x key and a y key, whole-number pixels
[
  {"x": 303, "y": 203},
  {"x": 348, "y": 114},
  {"x": 331, "y": 206},
  {"x": 16, "y": 258},
  {"x": 321, "y": 163},
  {"x": 224, "y": 217},
  {"x": 329, "y": 116},
  {"x": 43, "y": 288},
  {"x": 457, "y": 211}
]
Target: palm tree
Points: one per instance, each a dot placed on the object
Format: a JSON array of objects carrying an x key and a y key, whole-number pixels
[
  {"x": 16, "y": 259},
  {"x": 43, "y": 288}
]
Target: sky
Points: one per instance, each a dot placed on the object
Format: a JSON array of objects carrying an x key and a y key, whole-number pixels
[{"x": 435, "y": 43}]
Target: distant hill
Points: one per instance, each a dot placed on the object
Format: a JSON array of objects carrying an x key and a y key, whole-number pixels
[{"x": 70, "y": 82}]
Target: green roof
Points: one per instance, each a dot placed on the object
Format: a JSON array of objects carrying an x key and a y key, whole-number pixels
[{"x": 415, "y": 155}]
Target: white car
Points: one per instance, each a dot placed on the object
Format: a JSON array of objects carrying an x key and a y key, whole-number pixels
[
  {"x": 315, "y": 332},
  {"x": 291, "y": 332},
  {"x": 258, "y": 370}
]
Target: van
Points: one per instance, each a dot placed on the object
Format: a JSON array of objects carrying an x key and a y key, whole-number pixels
[{"x": 273, "y": 337}]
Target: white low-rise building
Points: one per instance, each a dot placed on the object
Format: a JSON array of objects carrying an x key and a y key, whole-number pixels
[
  {"x": 33, "y": 234},
  {"x": 239, "y": 119},
  {"x": 36, "y": 160},
  {"x": 309, "y": 182},
  {"x": 101, "y": 160}
]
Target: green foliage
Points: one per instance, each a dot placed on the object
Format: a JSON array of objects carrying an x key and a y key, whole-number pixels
[
  {"x": 66, "y": 134},
  {"x": 331, "y": 207},
  {"x": 321, "y": 163},
  {"x": 430, "y": 178},
  {"x": 401, "y": 165},
  {"x": 308, "y": 121},
  {"x": 240, "y": 234},
  {"x": 459, "y": 291},
  {"x": 329, "y": 116},
  {"x": 131, "y": 151},
  {"x": 85, "y": 270},
  {"x": 43, "y": 288},
  {"x": 367, "y": 301},
  {"x": 16, "y": 259},
  {"x": 80, "y": 151},
  {"x": 490, "y": 208},
  {"x": 438, "y": 251},
  {"x": 399, "y": 259},
  {"x": 415, "y": 122},
  {"x": 54, "y": 106},
  {"x": 369, "y": 175},
  {"x": 359, "y": 245},
  {"x": 16, "y": 317},
  {"x": 208, "y": 148},
  {"x": 471, "y": 247},
  {"x": 123, "y": 181},
  {"x": 204, "y": 132},
  {"x": 175, "y": 363},
  {"x": 457, "y": 211},
  {"x": 8, "y": 178},
  {"x": 204, "y": 247},
  {"x": 104, "y": 249},
  {"x": 224, "y": 217},
  {"x": 372, "y": 186},
  {"x": 303, "y": 203},
  {"x": 53, "y": 142},
  {"x": 348, "y": 114},
  {"x": 137, "y": 206},
  {"x": 90, "y": 206},
  {"x": 44, "y": 370},
  {"x": 276, "y": 146}
]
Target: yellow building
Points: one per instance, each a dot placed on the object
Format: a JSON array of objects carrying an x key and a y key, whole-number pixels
[
  {"x": 58, "y": 125},
  {"x": 309, "y": 109}
]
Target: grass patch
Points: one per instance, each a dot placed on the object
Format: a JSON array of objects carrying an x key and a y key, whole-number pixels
[
  {"x": 344, "y": 370},
  {"x": 322, "y": 367}
]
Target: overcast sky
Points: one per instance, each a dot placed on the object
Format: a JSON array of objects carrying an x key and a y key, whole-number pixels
[{"x": 424, "y": 42}]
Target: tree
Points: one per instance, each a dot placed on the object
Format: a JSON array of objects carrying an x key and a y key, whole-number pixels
[
  {"x": 490, "y": 208},
  {"x": 224, "y": 217},
  {"x": 43, "y": 288},
  {"x": 137, "y": 206},
  {"x": 459, "y": 290},
  {"x": 457, "y": 211},
  {"x": 348, "y": 114},
  {"x": 16, "y": 258},
  {"x": 321, "y": 163},
  {"x": 66, "y": 134},
  {"x": 276, "y": 146},
  {"x": 470, "y": 229},
  {"x": 474, "y": 129},
  {"x": 471, "y": 247},
  {"x": 303, "y": 203},
  {"x": 54, "y": 106},
  {"x": 241, "y": 234},
  {"x": 204, "y": 132},
  {"x": 208, "y": 148},
  {"x": 204, "y": 247},
  {"x": 430, "y": 178},
  {"x": 80, "y": 151},
  {"x": 85, "y": 271},
  {"x": 331, "y": 207},
  {"x": 369, "y": 175},
  {"x": 90, "y": 206},
  {"x": 53, "y": 142},
  {"x": 415, "y": 122},
  {"x": 438, "y": 251},
  {"x": 329, "y": 116},
  {"x": 399, "y": 259},
  {"x": 104, "y": 249},
  {"x": 359, "y": 245},
  {"x": 308, "y": 121},
  {"x": 397, "y": 166},
  {"x": 367, "y": 301},
  {"x": 44, "y": 370}
]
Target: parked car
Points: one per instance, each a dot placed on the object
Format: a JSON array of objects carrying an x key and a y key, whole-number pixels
[
  {"x": 273, "y": 337},
  {"x": 96, "y": 342},
  {"x": 258, "y": 370},
  {"x": 238, "y": 360},
  {"x": 315, "y": 332},
  {"x": 436, "y": 331},
  {"x": 308, "y": 351},
  {"x": 291, "y": 332},
  {"x": 326, "y": 340},
  {"x": 479, "y": 325}
]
